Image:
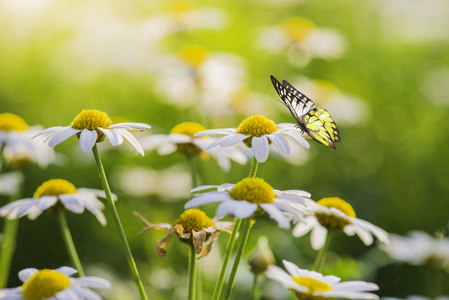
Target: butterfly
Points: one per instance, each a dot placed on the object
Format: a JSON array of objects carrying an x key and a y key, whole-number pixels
[{"x": 315, "y": 121}]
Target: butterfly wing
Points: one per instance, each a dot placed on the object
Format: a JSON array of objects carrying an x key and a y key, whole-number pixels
[{"x": 315, "y": 121}]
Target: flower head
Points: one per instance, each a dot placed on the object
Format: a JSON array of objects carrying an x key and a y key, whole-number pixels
[
  {"x": 311, "y": 285},
  {"x": 335, "y": 214},
  {"x": 193, "y": 227},
  {"x": 54, "y": 194},
  {"x": 55, "y": 284},
  {"x": 93, "y": 126},
  {"x": 250, "y": 196},
  {"x": 182, "y": 139},
  {"x": 257, "y": 132}
]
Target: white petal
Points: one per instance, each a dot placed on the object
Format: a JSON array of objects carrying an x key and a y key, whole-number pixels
[
  {"x": 26, "y": 208},
  {"x": 153, "y": 141},
  {"x": 127, "y": 135},
  {"x": 179, "y": 138},
  {"x": 215, "y": 132},
  {"x": 260, "y": 148},
  {"x": 112, "y": 136},
  {"x": 229, "y": 140},
  {"x": 93, "y": 282},
  {"x": 318, "y": 237},
  {"x": 85, "y": 294},
  {"x": 67, "y": 270},
  {"x": 297, "y": 136},
  {"x": 72, "y": 202},
  {"x": 359, "y": 286},
  {"x": 130, "y": 125},
  {"x": 25, "y": 274},
  {"x": 204, "y": 187},
  {"x": 276, "y": 273},
  {"x": 67, "y": 294},
  {"x": 276, "y": 214},
  {"x": 207, "y": 198},
  {"x": 49, "y": 130},
  {"x": 45, "y": 202},
  {"x": 236, "y": 208},
  {"x": 88, "y": 138},
  {"x": 304, "y": 226},
  {"x": 62, "y": 136},
  {"x": 14, "y": 206},
  {"x": 280, "y": 143}
]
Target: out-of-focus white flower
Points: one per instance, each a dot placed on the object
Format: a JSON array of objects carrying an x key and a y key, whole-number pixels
[
  {"x": 414, "y": 20},
  {"x": 419, "y": 248},
  {"x": 301, "y": 40},
  {"x": 197, "y": 76},
  {"x": 9, "y": 182},
  {"x": 337, "y": 215}
]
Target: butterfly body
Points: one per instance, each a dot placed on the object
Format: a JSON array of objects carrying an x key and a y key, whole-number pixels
[{"x": 315, "y": 121}]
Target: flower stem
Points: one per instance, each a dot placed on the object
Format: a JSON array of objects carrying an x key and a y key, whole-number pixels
[
  {"x": 238, "y": 256},
  {"x": 254, "y": 288},
  {"x": 254, "y": 167},
  {"x": 118, "y": 224},
  {"x": 192, "y": 273},
  {"x": 8, "y": 245},
  {"x": 229, "y": 247},
  {"x": 321, "y": 257},
  {"x": 69, "y": 244},
  {"x": 191, "y": 163}
]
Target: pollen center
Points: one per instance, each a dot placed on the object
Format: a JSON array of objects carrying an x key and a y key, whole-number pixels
[
  {"x": 193, "y": 55},
  {"x": 44, "y": 285},
  {"x": 54, "y": 187},
  {"x": 257, "y": 125},
  {"x": 12, "y": 122},
  {"x": 312, "y": 284},
  {"x": 339, "y": 204},
  {"x": 194, "y": 219},
  {"x": 297, "y": 28},
  {"x": 188, "y": 128},
  {"x": 91, "y": 119},
  {"x": 254, "y": 190}
]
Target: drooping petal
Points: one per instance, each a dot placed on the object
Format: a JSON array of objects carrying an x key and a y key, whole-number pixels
[
  {"x": 88, "y": 138},
  {"x": 215, "y": 132},
  {"x": 276, "y": 214},
  {"x": 318, "y": 237},
  {"x": 130, "y": 126},
  {"x": 112, "y": 136},
  {"x": 45, "y": 202},
  {"x": 228, "y": 140},
  {"x": 280, "y": 143},
  {"x": 236, "y": 208},
  {"x": 297, "y": 136},
  {"x": 72, "y": 202},
  {"x": 85, "y": 293},
  {"x": 260, "y": 148},
  {"x": 62, "y": 135},
  {"x": 93, "y": 282},
  {"x": 49, "y": 131},
  {"x": 207, "y": 198},
  {"x": 127, "y": 135}
]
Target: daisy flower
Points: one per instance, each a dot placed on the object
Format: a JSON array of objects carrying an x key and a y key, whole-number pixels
[
  {"x": 257, "y": 132},
  {"x": 301, "y": 40},
  {"x": 93, "y": 126},
  {"x": 193, "y": 227},
  {"x": 250, "y": 196},
  {"x": 56, "y": 193},
  {"x": 419, "y": 248},
  {"x": 335, "y": 214},
  {"x": 16, "y": 146},
  {"x": 315, "y": 286},
  {"x": 181, "y": 139},
  {"x": 54, "y": 284}
]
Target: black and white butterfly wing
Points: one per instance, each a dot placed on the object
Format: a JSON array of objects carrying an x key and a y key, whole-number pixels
[{"x": 314, "y": 121}]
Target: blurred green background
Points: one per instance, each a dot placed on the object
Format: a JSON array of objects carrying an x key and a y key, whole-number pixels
[{"x": 383, "y": 76}]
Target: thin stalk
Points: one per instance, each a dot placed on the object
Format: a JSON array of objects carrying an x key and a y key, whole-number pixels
[
  {"x": 8, "y": 244},
  {"x": 321, "y": 257},
  {"x": 254, "y": 288},
  {"x": 254, "y": 167},
  {"x": 192, "y": 273},
  {"x": 229, "y": 247},
  {"x": 69, "y": 244},
  {"x": 238, "y": 256},
  {"x": 118, "y": 224}
]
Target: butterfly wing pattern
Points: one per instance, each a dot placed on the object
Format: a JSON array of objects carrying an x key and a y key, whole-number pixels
[{"x": 315, "y": 121}]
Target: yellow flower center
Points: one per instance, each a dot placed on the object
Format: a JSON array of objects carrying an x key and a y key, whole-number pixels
[
  {"x": 194, "y": 55},
  {"x": 44, "y": 285},
  {"x": 12, "y": 122},
  {"x": 188, "y": 128},
  {"x": 91, "y": 119},
  {"x": 297, "y": 28},
  {"x": 194, "y": 219},
  {"x": 181, "y": 7},
  {"x": 254, "y": 190},
  {"x": 312, "y": 284},
  {"x": 54, "y": 187},
  {"x": 256, "y": 125},
  {"x": 333, "y": 221}
]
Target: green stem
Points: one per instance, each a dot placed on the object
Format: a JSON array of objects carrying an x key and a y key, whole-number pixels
[
  {"x": 238, "y": 256},
  {"x": 192, "y": 273},
  {"x": 254, "y": 167},
  {"x": 229, "y": 247},
  {"x": 321, "y": 257},
  {"x": 254, "y": 288},
  {"x": 69, "y": 244},
  {"x": 118, "y": 224},
  {"x": 8, "y": 244}
]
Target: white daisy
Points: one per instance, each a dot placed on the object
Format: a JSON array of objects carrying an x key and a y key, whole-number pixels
[
  {"x": 56, "y": 192},
  {"x": 18, "y": 149},
  {"x": 54, "y": 284},
  {"x": 92, "y": 126},
  {"x": 335, "y": 214},
  {"x": 419, "y": 248},
  {"x": 313, "y": 285},
  {"x": 301, "y": 41},
  {"x": 257, "y": 132},
  {"x": 182, "y": 138},
  {"x": 250, "y": 196}
]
